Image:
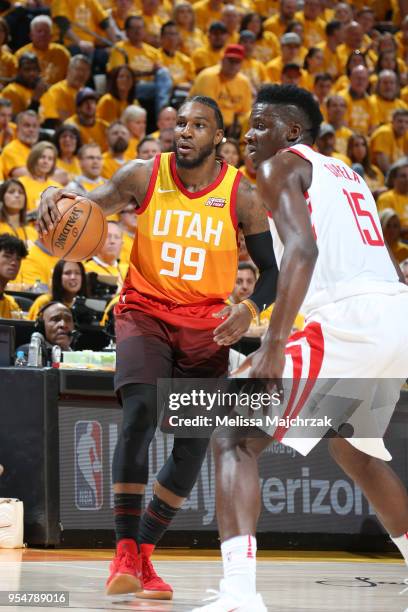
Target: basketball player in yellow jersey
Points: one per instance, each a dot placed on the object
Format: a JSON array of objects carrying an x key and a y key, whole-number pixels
[{"x": 172, "y": 320}]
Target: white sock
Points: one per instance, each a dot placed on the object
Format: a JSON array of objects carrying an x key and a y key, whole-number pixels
[
  {"x": 402, "y": 543},
  {"x": 239, "y": 561}
]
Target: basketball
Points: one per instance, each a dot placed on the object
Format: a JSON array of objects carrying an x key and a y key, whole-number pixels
[{"x": 81, "y": 231}]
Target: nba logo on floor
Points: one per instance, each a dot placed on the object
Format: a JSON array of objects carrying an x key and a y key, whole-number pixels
[{"x": 88, "y": 465}]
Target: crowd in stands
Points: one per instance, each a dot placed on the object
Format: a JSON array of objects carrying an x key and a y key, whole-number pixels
[{"x": 87, "y": 85}]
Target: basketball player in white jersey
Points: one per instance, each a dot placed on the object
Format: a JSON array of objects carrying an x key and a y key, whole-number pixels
[{"x": 335, "y": 269}]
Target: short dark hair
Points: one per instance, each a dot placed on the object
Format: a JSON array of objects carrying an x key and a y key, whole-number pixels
[
  {"x": 248, "y": 265},
  {"x": 67, "y": 127},
  {"x": 144, "y": 140},
  {"x": 13, "y": 245},
  {"x": 212, "y": 104},
  {"x": 400, "y": 112},
  {"x": 287, "y": 96},
  {"x": 333, "y": 26},
  {"x": 168, "y": 24},
  {"x": 129, "y": 19},
  {"x": 28, "y": 57},
  {"x": 323, "y": 76}
]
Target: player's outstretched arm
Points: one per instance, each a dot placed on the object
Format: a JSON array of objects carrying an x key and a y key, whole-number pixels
[
  {"x": 251, "y": 215},
  {"x": 129, "y": 183},
  {"x": 281, "y": 182}
]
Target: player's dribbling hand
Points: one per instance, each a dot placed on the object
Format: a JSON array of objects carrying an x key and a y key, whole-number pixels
[
  {"x": 238, "y": 319},
  {"x": 48, "y": 213}
]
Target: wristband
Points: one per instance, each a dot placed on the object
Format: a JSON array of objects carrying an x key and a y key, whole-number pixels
[{"x": 251, "y": 307}]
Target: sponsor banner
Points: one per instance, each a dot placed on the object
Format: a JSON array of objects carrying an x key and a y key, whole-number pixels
[{"x": 298, "y": 494}]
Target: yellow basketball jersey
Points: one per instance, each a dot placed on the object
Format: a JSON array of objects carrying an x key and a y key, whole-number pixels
[{"x": 185, "y": 247}]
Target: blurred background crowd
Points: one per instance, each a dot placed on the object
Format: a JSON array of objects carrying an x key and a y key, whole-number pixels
[{"x": 87, "y": 85}]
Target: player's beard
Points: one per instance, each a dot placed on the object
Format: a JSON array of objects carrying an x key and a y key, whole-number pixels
[{"x": 194, "y": 163}]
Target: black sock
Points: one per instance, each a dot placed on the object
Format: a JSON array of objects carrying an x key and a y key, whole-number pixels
[
  {"x": 127, "y": 511},
  {"x": 155, "y": 520}
]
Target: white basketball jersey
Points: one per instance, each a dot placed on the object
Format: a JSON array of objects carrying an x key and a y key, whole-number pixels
[{"x": 352, "y": 256}]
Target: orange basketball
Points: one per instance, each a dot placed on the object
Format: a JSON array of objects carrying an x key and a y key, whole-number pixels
[{"x": 81, "y": 231}]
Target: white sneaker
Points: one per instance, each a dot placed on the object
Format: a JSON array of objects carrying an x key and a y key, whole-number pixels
[{"x": 224, "y": 602}]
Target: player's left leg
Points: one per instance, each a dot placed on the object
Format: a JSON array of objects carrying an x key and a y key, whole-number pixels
[
  {"x": 238, "y": 503},
  {"x": 382, "y": 487},
  {"x": 174, "y": 484},
  {"x": 197, "y": 356}
]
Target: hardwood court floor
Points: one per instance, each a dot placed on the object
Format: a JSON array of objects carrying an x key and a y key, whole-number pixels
[{"x": 295, "y": 582}]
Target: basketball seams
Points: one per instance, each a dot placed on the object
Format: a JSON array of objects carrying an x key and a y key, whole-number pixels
[
  {"x": 90, "y": 213},
  {"x": 82, "y": 230},
  {"x": 102, "y": 238}
]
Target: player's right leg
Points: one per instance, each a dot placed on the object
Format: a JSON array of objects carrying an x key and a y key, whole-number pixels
[
  {"x": 143, "y": 356},
  {"x": 238, "y": 503},
  {"x": 130, "y": 475}
]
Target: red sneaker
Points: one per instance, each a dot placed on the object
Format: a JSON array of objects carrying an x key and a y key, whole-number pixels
[
  {"x": 153, "y": 586},
  {"x": 125, "y": 570}
]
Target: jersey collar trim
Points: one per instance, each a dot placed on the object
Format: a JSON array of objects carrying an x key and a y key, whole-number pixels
[{"x": 196, "y": 194}]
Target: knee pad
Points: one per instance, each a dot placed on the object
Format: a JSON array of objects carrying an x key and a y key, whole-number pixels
[
  {"x": 131, "y": 457},
  {"x": 182, "y": 468}
]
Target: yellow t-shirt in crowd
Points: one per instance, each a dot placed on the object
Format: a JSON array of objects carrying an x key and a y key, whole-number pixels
[
  {"x": 233, "y": 96},
  {"x": 385, "y": 108},
  {"x": 251, "y": 177},
  {"x": 131, "y": 151},
  {"x": 255, "y": 71},
  {"x": 8, "y": 305},
  {"x": 126, "y": 247},
  {"x": 275, "y": 25},
  {"x": 41, "y": 301},
  {"x": 397, "y": 201},
  {"x": 400, "y": 251},
  {"x": 36, "y": 306},
  {"x": 95, "y": 133},
  {"x": 374, "y": 182},
  {"x": 119, "y": 269},
  {"x": 110, "y": 165},
  {"x": 205, "y": 57},
  {"x": 27, "y": 233},
  {"x": 110, "y": 109},
  {"x": 361, "y": 115},
  {"x": 180, "y": 66},
  {"x": 267, "y": 47},
  {"x": 19, "y": 96},
  {"x": 342, "y": 136},
  {"x": 58, "y": 102},
  {"x": 383, "y": 140},
  {"x": 72, "y": 168},
  {"x": 14, "y": 155},
  {"x": 38, "y": 265},
  {"x": 191, "y": 40},
  {"x": 8, "y": 64},
  {"x": 87, "y": 13},
  {"x": 3, "y": 136},
  {"x": 314, "y": 31},
  {"x": 330, "y": 60},
  {"x": 204, "y": 14},
  {"x": 53, "y": 62},
  {"x": 140, "y": 59},
  {"x": 34, "y": 189}
]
